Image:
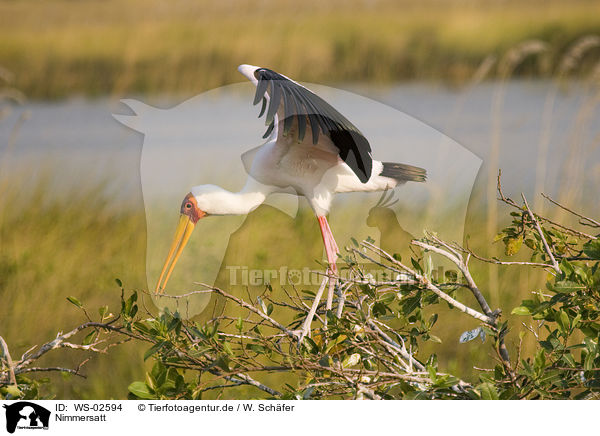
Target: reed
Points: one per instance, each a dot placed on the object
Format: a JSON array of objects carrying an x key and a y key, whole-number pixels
[{"x": 135, "y": 46}]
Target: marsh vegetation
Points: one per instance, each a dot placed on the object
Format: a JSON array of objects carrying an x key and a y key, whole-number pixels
[{"x": 76, "y": 239}]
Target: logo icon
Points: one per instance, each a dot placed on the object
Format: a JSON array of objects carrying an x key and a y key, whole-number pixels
[{"x": 26, "y": 415}]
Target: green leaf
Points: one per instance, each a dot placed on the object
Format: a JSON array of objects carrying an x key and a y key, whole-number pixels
[
  {"x": 592, "y": 249},
  {"x": 540, "y": 361},
  {"x": 513, "y": 245},
  {"x": 387, "y": 298},
  {"x": 379, "y": 309},
  {"x": 223, "y": 363},
  {"x": 75, "y": 301},
  {"x": 520, "y": 310},
  {"x": 259, "y": 349},
  {"x": 566, "y": 286},
  {"x": 568, "y": 360},
  {"x": 416, "y": 265},
  {"x": 227, "y": 348},
  {"x": 530, "y": 243},
  {"x": 434, "y": 338},
  {"x": 351, "y": 360},
  {"x": 488, "y": 391},
  {"x": 102, "y": 311},
  {"x": 566, "y": 267},
  {"x": 153, "y": 349},
  {"x": 13, "y": 391},
  {"x": 588, "y": 364},
  {"x": 432, "y": 373},
  {"x": 140, "y": 390},
  {"x": 263, "y": 306},
  {"x": 500, "y": 236},
  {"x": 563, "y": 321},
  {"x": 239, "y": 324},
  {"x": 312, "y": 347},
  {"x": 141, "y": 327},
  {"x": 367, "y": 290},
  {"x": 89, "y": 338},
  {"x": 411, "y": 303},
  {"x": 428, "y": 267},
  {"x": 336, "y": 341},
  {"x": 119, "y": 283},
  {"x": 581, "y": 274}
]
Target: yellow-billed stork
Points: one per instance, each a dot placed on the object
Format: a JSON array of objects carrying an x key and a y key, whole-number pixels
[{"x": 311, "y": 148}]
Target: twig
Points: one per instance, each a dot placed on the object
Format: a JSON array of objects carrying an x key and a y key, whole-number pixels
[
  {"x": 503, "y": 262},
  {"x": 53, "y": 368},
  {"x": 9, "y": 362},
  {"x": 313, "y": 310},
  {"x": 555, "y": 265},
  {"x": 459, "y": 262},
  {"x": 429, "y": 285},
  {"x": 251, "y": 308},
  {"x": 512, "y": 203},
  {"x": 591, "y": 222},
  {"x": 400, "y": 349},
  {"x": 189, "y": 294},
  {"x": 246, "y": 379}
]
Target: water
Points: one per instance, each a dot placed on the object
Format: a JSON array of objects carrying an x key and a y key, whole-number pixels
[
  {"x": 83, "y": 143},
  {"x": 451, "y": 133},
  {"x": 518, "y": 126}
]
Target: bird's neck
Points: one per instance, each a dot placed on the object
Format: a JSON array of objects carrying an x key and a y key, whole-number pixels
[{"x": 252, "y": 195}]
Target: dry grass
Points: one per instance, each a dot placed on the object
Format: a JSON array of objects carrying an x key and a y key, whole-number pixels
[{"x": 61, "y": 47}]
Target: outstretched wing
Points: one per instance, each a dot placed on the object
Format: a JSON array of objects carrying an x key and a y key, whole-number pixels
[{"x": 281, "y": 97}]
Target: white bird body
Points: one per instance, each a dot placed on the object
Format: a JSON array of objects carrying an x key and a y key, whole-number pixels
[
  {"x": 307, "y": 170},
  {"x": 311, "y": 150},
  {"x": 282, "y": 163}
]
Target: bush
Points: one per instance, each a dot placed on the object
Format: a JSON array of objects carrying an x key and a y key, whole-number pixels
[{"x": 370, "y": 343}]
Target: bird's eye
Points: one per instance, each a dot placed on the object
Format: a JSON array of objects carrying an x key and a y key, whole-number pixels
[{"x": 188, "y": 205}]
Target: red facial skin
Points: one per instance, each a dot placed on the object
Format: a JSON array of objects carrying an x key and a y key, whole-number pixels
[{"x": 189, "y": 207}]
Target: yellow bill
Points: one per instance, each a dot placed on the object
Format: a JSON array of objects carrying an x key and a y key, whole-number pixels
[{"x": 182, "y": 235}]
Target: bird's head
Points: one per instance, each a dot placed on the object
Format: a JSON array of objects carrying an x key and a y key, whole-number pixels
[
  {"x": 190, "y": 213},
  {"x": 203, "y": 200}
]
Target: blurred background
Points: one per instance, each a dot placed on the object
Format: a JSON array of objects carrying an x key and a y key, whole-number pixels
[{"x": 515, "y": 83}]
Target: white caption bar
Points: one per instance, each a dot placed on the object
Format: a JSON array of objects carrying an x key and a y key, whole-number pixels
[{"x": 91, "y": 418}]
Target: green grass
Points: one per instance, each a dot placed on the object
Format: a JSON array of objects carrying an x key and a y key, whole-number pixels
[
  {"x": 54, "y": 245},
  {"x": 59, "y": 47}
]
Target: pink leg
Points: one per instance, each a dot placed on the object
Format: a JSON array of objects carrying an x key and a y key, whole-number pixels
[
  {"x": 331, "y": 247},
  {"x": 332, "y": 251}
]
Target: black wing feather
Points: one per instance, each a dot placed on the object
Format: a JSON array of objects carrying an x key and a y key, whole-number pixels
[
  {"x": 261, "y": 88},
  {"x": 264, "y": 106},
  {"x": 302, "y": 104},
  {"x": 288, "y": 119}
]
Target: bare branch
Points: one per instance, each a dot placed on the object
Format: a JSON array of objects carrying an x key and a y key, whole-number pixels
[
  {"x": 427, "y": 284},
  {"x": 547, "y": 249},
  {"x": 590, "y": 222},
  {"x": 459, "y": 262},
  {"x": 9, "y": 361},
  {"x": 252, "y": 309}
]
